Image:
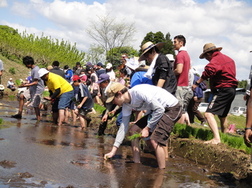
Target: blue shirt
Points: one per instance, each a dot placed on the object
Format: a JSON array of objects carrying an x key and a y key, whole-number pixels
[
  {"x": 198, "y": 92},
  {"x": 68, "y": 75},
  {"x": 139, "y": 78}
]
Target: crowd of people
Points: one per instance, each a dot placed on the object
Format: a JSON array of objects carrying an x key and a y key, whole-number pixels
[{"x": 157, "y": 90}]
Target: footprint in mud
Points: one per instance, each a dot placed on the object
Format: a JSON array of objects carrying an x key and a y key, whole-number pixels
[
  {"x": 25, "y": 175},
  {"x": 7, "y": 164}
]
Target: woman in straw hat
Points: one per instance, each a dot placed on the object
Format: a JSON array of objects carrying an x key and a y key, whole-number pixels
[
  {"x": 160, "y": 70},
  {"x": 221, "y": 72}
]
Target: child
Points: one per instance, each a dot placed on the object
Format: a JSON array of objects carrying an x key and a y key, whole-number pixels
[
  {"x": 94, "y": 86},
  {"x": 122, "y": 76},
  {"x": 83, "y": 76},
  {"x": 83, "y": 100}
]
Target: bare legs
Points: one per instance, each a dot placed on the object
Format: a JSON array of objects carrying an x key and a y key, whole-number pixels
[
  {"x": 159, "y": 150},
  {"x": 160, "y": 154},
  {"x": 224, "y": 124},
  {"x": 61, "y": 116},
  {"x": 37, "y": 112},
  {"x": 214, "y": 127},
  {"x": 21, "y": 104}
]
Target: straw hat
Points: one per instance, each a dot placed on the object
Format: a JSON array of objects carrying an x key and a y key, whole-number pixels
[
  {"x": 49, "y": 67},
  {"x": 208, "y": 48},
  {"x": 149, "y": 45}
]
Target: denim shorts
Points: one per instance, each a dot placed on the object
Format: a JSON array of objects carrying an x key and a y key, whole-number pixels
[{"x": 65, "y": 99}]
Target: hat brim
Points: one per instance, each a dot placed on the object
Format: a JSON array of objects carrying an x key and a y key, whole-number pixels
[
  {"x": 110, "y": 99},
  {"x": 43, "y": 74},
  {"x": 100, "y": 81},
  {"x": 131, "y": 66},
  {"x": 203, "y": 54},
  {"x": 159, "y": 46}
]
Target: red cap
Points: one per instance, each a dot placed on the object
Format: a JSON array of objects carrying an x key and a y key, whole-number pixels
[{"x": 75, "y": 77}]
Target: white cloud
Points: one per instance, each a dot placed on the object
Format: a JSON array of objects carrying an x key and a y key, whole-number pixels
[
  {"x": 227, "y": 23},
  {"x": 3, "y": 3},
  {"x": 22, "y": 9}
]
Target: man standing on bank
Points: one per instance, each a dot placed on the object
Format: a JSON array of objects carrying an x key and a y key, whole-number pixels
[{"x": 221, "y": 72}]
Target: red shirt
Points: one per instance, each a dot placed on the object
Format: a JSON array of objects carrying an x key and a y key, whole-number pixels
[
  {"x": 221, "y": 71},
  {"x": 183, "y": 58}
]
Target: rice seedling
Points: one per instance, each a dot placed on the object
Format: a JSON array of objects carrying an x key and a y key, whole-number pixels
[{"x": 134, "y": 136}]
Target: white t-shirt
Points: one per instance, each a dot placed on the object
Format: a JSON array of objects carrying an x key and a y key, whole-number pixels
[
  {"x": 111, "y": 74},
  {"x": 145, "y": 97}
]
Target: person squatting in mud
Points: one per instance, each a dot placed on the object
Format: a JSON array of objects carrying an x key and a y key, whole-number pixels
[{"x": 163, "y": 110}]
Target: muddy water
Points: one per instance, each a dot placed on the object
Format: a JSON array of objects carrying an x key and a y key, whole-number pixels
[{"x": 45, "y": 155}]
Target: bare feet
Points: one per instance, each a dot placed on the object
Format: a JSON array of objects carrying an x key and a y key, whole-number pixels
[{"x": 213, "y": 141}]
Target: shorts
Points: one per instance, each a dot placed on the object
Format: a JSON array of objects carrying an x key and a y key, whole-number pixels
[
  {"x": 26, "y": 94},
  {"x": 94, "y": 93},
  {"x": 72, "y": 105},
  {"x": 84, "y": 112},
  {"x": 184, "y": 94},
  {"x": 35, "y": 100},
  {"x": 221, "y": 102},
  {"x": 65, "y": 99},
  {"x": 164, "y": 126}
]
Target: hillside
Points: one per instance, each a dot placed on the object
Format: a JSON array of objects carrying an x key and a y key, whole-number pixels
[{"x": 20, "y": 72}]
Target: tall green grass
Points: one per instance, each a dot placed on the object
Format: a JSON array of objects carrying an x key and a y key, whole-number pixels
[
  {"x": 239, "y": 121},
  {"x": 234, "y": 141}
]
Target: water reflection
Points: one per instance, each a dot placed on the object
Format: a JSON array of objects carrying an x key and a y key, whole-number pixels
[{"x": 69, "y": 156}]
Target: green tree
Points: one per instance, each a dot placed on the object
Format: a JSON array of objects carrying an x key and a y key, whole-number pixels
[
  {"x": 159, "y": 37},
  {"x": 114, "y": 55},
  {"x": 242, "y": 84}
]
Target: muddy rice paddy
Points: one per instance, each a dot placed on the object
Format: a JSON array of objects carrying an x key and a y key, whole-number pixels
[{"x": 40, "y": 154}]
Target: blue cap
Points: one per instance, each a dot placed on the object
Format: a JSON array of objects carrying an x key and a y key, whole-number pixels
[
  {"x": 99, "y": 64},
  {"x": 102, "y": 78}
]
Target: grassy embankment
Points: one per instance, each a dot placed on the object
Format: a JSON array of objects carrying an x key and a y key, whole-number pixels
[{"x": 204, "y": 133}]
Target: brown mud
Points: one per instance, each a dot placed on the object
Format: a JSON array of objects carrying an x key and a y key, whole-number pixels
[
  {"x": 40, "y": 154},
  {"x": 218, "y": 158},
  {"x": 221, "y": 159}
]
